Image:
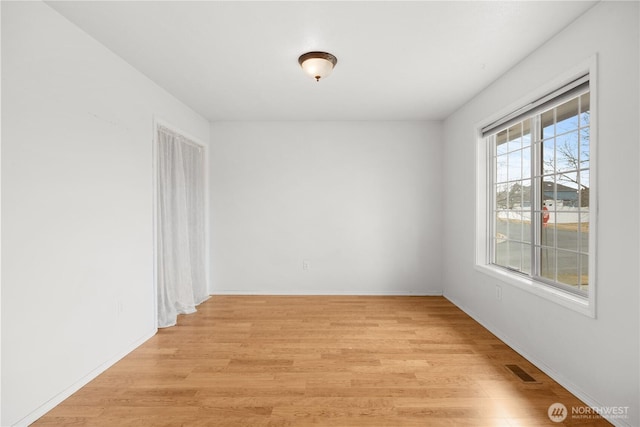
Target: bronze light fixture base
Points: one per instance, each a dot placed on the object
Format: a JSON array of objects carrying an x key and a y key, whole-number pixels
[{"x": 319, "y": 65}]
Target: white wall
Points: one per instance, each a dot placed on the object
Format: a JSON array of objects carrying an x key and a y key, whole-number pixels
[
  {"x": 359, "y": 200},
  {"x": 598, "y": 359},
  {"x": 76, "y": 206}
]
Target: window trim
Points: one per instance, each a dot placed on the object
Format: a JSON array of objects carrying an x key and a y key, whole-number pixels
[{"x": 584, "y": 305}]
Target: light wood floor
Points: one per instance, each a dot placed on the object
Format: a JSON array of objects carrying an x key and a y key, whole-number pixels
[{"x": 331, "y": 361}]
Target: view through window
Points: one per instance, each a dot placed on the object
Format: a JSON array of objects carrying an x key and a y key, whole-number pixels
[{"x": 540, "y": 210}]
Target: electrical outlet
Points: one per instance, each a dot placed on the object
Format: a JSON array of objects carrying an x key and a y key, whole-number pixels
[
  {"x": 499, "y": 293},
  {"x": 305, "y": 265}
]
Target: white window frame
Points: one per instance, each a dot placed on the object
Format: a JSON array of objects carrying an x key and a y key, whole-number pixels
[{"x": 581, "y": 304}]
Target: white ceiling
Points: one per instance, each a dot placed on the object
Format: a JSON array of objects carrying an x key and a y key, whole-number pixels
[{"x": 396, "y": 60}]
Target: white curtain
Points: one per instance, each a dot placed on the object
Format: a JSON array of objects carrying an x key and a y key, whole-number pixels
[{"x": 181, "y": 231}]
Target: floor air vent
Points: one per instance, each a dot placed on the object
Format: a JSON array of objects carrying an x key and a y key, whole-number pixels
[{"x": 520, "y": 373}]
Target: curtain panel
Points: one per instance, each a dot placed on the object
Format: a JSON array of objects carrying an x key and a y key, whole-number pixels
[{"x": 180, "y": 227}]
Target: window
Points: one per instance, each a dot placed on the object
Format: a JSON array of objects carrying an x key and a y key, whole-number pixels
[{"x": 538, "y": 174}]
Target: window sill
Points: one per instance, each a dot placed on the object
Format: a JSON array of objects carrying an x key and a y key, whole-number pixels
[{"x": 576, "y": 303}]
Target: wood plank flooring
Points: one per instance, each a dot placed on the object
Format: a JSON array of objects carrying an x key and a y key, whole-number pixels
[{"x": 319, "y": 361}]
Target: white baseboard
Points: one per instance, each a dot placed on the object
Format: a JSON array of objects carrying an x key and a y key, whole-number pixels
[
  {"x": 57, "y": 399},
  {"x": 326, "y": 293},
  {"x": 555, "y": 375}
]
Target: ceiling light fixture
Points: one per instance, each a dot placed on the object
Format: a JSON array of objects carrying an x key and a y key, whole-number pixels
[{"x": 317, "y": 64}]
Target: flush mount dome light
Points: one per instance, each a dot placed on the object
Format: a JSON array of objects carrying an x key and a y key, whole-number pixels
[{"x": 317, "y": 64}]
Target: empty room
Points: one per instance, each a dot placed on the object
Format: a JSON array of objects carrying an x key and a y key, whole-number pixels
[{"x": 323, "y": 213}]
